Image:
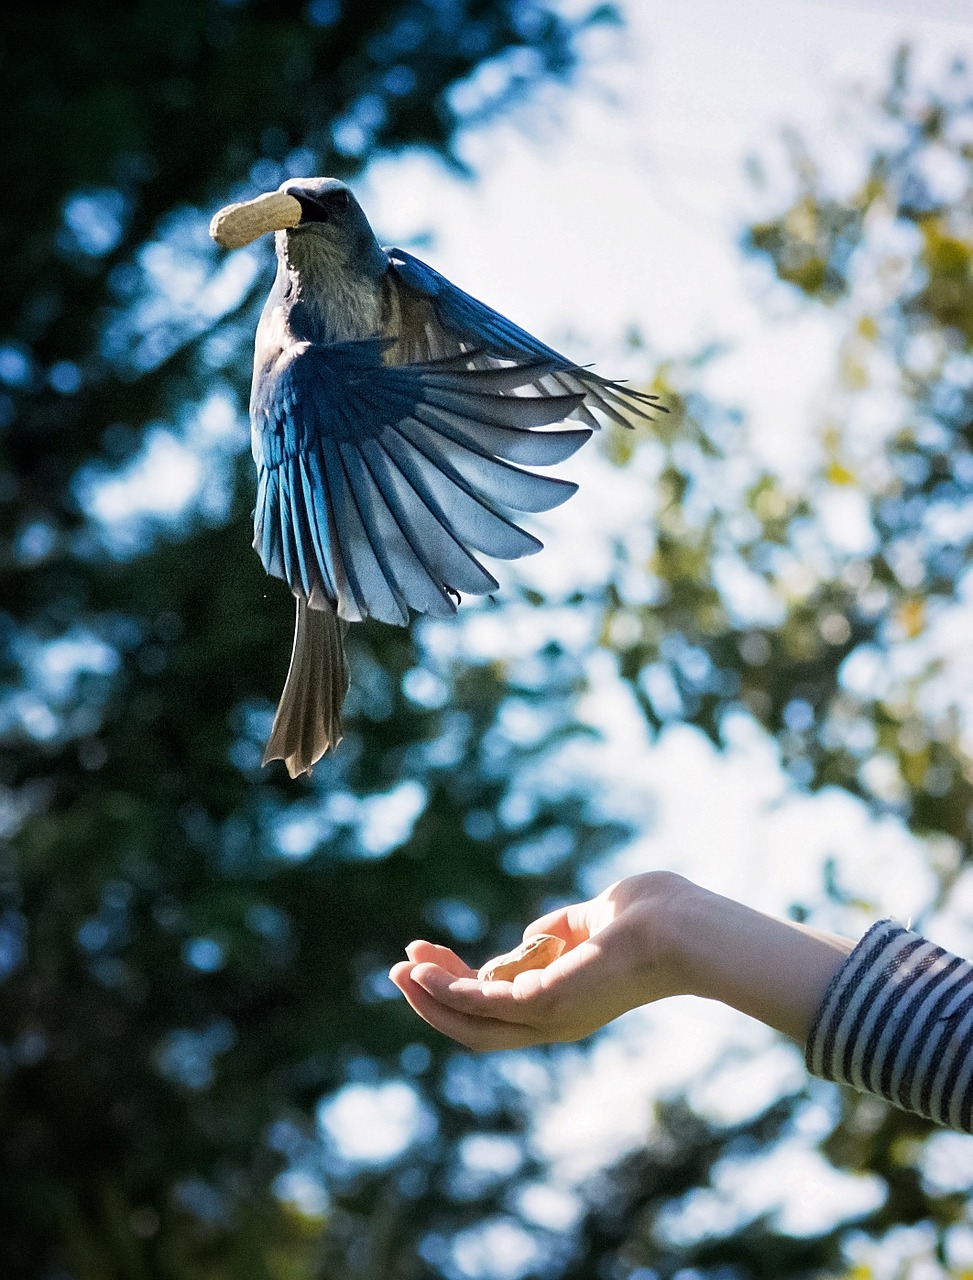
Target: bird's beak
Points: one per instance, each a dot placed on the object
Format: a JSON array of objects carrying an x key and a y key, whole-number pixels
[{"x": 240, "y": 224}]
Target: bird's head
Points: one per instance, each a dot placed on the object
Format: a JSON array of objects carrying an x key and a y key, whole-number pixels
[
  {"x": 320, "y": 228},
  {"x": 333, "y": 232}
]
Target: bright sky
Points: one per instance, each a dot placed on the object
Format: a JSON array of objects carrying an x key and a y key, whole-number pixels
[
  {"x": 613, "y": 217},
  {"x": 628, "y": 215}
]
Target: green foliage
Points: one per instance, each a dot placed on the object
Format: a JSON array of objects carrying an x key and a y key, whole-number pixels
[
  {"x": 193, "y": 951},
  {"x": 893, "y": 237},
  {"x": 856, "y": 660}
]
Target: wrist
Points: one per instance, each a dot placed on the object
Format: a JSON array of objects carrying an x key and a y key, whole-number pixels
[
  {"x": 771, "y": 969},
  {"x": 696, "y": 946},
  {"x": 670, "y": 913}
]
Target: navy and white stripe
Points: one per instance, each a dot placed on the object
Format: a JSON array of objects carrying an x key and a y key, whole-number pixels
[{"x": 897, "y": 1021}]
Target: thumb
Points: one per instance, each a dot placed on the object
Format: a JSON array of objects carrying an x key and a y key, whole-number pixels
[{"x": 570, "y": 923}]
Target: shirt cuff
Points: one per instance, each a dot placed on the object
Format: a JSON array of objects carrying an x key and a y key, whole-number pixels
[{"x": 897, "y": 1021}]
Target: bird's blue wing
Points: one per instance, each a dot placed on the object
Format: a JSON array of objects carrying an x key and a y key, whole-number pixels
[
  {"x": 376, "y": 483},
  {"x": 473, "y": 324}
]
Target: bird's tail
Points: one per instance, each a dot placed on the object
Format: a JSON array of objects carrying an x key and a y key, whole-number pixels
[{"x": 308, "y": 719}]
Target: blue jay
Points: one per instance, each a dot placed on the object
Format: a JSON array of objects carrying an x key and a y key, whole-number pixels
[{"x": 391, "y": 416}]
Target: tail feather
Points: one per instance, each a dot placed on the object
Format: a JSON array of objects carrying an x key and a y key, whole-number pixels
[{"x": 308, "y": 719}]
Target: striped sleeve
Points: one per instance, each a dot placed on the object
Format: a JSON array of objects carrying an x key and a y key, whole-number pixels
[{"x": 897, "y": 1021}]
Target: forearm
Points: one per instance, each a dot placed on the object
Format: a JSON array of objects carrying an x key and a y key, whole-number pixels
[
  {"x": 891, "y": 1015},
  {"x": 774, "y": 970}
]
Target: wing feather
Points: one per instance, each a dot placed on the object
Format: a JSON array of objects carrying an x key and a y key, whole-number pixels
[
  {"x": 462, "y": 319},
  {"x": 467, "y": 518},
  {"x": 377, "y": 483}
]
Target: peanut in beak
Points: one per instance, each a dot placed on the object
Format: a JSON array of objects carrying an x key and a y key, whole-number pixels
[{"x": 240, "y": 224}]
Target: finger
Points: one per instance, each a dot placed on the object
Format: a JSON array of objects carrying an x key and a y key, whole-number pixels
[
  {"x": 573, "y": 996},
  {"x": 421, "y": 952},
  {"x": 501, "y": 1001},
  {"x": 477, "y": 1033}
]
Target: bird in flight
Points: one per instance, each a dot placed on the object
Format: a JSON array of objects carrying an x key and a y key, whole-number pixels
[{"x": 394, "y": 422}]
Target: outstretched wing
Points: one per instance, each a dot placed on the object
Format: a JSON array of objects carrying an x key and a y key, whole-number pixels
[
  {"x": 439, "y": 319},
  {"x": 376, "y": 483}
]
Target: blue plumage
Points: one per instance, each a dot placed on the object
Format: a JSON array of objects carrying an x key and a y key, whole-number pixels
[{"x": 393, "y": 417}]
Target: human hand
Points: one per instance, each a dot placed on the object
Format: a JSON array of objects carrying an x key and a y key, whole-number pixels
[
  {"x": 621, "y": 950},
  {"x": 644, "y": 938}
]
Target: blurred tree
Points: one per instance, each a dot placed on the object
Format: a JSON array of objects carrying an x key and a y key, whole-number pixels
[
  {"x": 193, "y": 951},
  {"x": 837, "y": 616}
]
